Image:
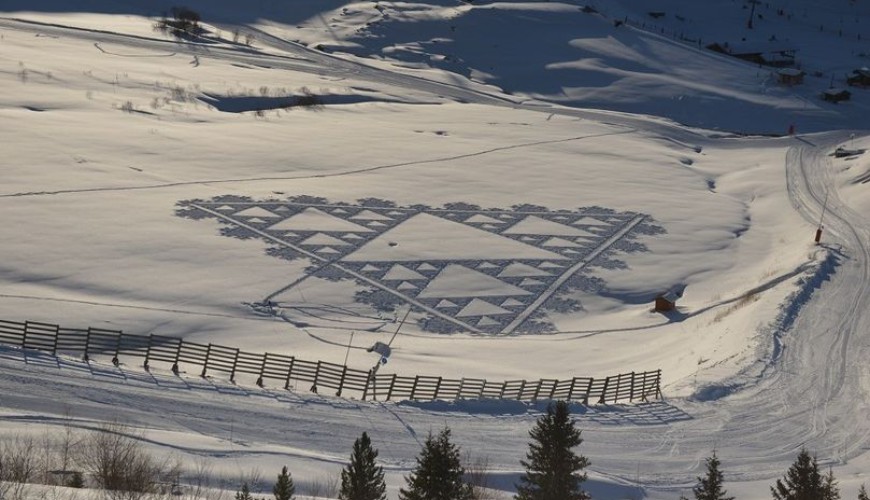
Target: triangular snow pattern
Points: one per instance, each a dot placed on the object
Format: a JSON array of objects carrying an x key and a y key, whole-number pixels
[
  {"x": 549, "y": 265},
  {"x": 559, "y": 243},
  {"x": 589, "y": 221},
  {"x": 327, "y": 250},
  {"x": 400, "y": 272},
  {"x": 426, "y": 267},
  {"x": 406, "y": 286},
  {"x": 482, "y": 219},
  {"x": 368, "y": 268},
  {"x": 313, "y": 219},
  {"x": 256, "y": 212},
  {"x": 256, "y": 220},
  {"x": 324, "y": 239},
  {"x": 395, "y": 213},
  {"x": 226, "y": 208},
  {"x": 532, "y": 282},
  {"x": 529, "y": 238},
  {"x": 339, "y": 211},
  {"x": 511, "y": 303},
  {"x": 446, "y": 304},
  {"x": 487, "y": 321},
  {"x": 487, "y": 265},
  {"x": 536, "y": 225},
  {"x": 369, "y": 215},
  {"x": 459, "y": 281},
  {"x": 426, "y": 237},
  {"x": 289, "y": 234},
  {"x": 282, "y": 208},
  {"x": 478, "y": 307},
  {"x": 351, "y": 236},
  {"x": 520, "y": 270},
  {"x": 375, "y": 223}
]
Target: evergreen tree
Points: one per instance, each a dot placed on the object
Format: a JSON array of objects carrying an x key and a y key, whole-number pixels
[
  {"x": 802, "y": 481},
  {"x": 710, "y": 487},
  {"x": 862, "y": 493},
  {"x": 284, "y": 488},
  {"x": 362, "y": 479},
  {"x": 553, "y": 470},
  {"x": 830, "y": 491},
  {"x": 244, "y": 493},
  {"x": 438, "y": 474}
]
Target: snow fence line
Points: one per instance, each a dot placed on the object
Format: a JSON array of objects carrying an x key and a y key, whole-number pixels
[{"x": 46, "y": 337}]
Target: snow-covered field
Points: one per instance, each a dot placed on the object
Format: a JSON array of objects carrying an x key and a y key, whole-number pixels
[{"x": 526, "y": 177}]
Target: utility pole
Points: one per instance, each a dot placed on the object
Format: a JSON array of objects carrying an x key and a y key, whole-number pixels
[
  {"x": 752, "y": 12},
  {"x": 822, "y": 219}
]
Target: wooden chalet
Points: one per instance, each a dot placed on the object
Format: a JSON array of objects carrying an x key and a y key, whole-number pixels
[
  {"x": 790, "y": 76},
  {"x": 860, "y": 78},
  {"x": 836, "y": 95},
  {"x": 768, "y": 53}
]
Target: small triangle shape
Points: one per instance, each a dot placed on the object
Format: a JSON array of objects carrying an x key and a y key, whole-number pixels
[
  {"x": 520, "y": 270},
  {"x": 256, "y": 212},
  {"x": 351, "y": 236},
  {"x": 375, "y": 223},
  {"x": 395, "y": 213},
  {"x": 426, "y": 267},
  {"x": 225, "y": 208},
  {"x": 478, "y": 307},
  {"x": 400, "y": 272},
  {"x": 256, "y": 220},
  {"x": 511, "y": 303},
  {"x": 327, "y": 250},
  {"x": 589, "y": 221},
  {"x": 487, "y": 265},
  {"x": 406, "y": 286},
  {"x": 559, "y": 243},
  {"x": 282, "y": 209},
  {"x": 482, "y": 219},
  {"x": 487, "y": 321},
  {"x": 369, "y": 215},
  {"x": 446, "y": 304},
  {"x": 368, "y": 268},
  {"x": 549, "y": 265},
  {"x": 324, "y": 239},
  {"x": 339, "y": 211}
]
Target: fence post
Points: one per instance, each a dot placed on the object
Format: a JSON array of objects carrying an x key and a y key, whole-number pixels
[
  {"x": 115, "y": 360},
  {"x": 437, "y": 387},
  {"x": 659, "y": 383},
  {"x": 177, "y": 356},
  {"x": 289, "y": 372},
  {"x": 503, "y": 388},
  {"x": 392, "y": 384},
  {"x": 205, "y": 364},
  {"x": 56, "y": 335},
  {"x": 366, "y": 388},
  {"x": 414, "y": 387},
  {"x": 538, "y": 390},
  {"x": 85, "y": 356},
  {"x": 316, "y": 377},
  {"x": 553, "y": 389},
  {"x": 262, "y": 369},
  {"x": 148, "y": 351},
  {"x": 235, "y": 364},
  {"x": 631, "y": 392},
  {"x": 24, "y": 335},
  {"x": 604, "y": 391},
  {"x": 341, "y": 382}
]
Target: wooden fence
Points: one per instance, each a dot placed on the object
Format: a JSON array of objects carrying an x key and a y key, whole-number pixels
[{"x": 625, "y": 387}]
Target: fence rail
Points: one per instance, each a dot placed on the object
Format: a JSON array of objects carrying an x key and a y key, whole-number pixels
[{"x": 343, "y": 380}]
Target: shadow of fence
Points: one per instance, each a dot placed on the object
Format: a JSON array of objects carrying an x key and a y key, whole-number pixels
[{"x": 345, "y": 381}]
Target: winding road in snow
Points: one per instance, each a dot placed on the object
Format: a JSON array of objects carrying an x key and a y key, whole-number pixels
[{"x": 816, "y": 394}]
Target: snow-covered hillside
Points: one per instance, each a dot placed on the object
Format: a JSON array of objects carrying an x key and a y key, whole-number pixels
[{"x": 525, "y": 177}]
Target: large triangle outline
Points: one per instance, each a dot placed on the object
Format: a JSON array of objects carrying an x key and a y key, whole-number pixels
[
  {"x": 314, "y": 219},
  {"x": 457, "y": 281},
  {"x": 533, "y": 224}
]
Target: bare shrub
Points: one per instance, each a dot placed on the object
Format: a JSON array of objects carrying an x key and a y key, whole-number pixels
[
  {"x": 477, "y": 474},
  {"x": 118, "y": 462},
  {"x": 199, "y": 482},
  {"x": 325, "y": 486},
  {"x": 19, "y": 463}
]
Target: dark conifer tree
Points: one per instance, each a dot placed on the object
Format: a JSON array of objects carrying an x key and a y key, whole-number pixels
[
  {"x": 284, "y": 487},
  {"x": 553, "y": 469},
  {"x": 830, "y": 490},
  {"x": 244, "y": 493},
  {"x": 710, "y": 486},
  {"x": 438, "y": 474},
  {"x": 802, "y": 481},
  {"x": 862, "y": 493},
  {"x": 363, "y": 479}
]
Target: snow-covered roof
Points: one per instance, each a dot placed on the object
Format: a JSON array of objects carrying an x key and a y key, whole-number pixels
[{"x": 763, "y": 47}]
